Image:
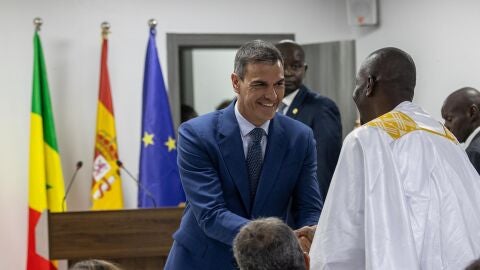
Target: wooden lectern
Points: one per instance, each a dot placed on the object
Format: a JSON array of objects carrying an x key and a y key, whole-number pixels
[{"x": 135, "y": 239}]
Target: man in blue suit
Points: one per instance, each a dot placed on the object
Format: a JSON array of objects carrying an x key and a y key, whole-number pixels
[
  {"x": 241, "y": 163},
  {"x": 318, "y": 112}
]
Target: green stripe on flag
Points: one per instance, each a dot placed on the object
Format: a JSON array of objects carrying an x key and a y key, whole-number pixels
[{"x": 41, "y": 103}]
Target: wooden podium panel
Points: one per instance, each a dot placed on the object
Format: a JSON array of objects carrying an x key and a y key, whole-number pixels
[{"x": 136, "y": 239}]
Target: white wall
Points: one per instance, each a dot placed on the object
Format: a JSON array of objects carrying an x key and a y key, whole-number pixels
[
  {"x": 71, "y": 41},
  {"x": 443, "y": 38},
  {"x": 212, "y": 85}
]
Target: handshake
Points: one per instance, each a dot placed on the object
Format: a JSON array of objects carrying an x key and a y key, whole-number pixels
[{"x": 305, "y": 237}]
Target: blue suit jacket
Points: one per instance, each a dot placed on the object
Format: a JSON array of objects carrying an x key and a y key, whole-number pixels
[
  {"x": 473, "y": 152},
  {"x": 322, "y": 116},
  {"x": 215, "y": 179}
]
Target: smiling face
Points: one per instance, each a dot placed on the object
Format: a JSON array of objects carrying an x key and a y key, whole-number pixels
[{"x": 260, "y": 91}]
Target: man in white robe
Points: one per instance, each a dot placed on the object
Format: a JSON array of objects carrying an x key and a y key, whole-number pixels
[{"x": 404, "y": 194}]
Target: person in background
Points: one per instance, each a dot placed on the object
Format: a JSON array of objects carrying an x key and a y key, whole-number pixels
[
  {"x": 187, "y": 112},
  {"x": 461, "y": 112},
  {"x": 318, "y": 112},
  {"x": 224, "y": 104},
  {"x": 404, "y": 194},
  {"x": 243, "y": 162},
  {"x": 474, "y": 266},
  {"x": 94, "y": 265},
  {"x": 269, "y": 244}
]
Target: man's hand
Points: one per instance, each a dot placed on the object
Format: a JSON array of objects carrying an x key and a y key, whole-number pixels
[{"x": 305, "y": 237}]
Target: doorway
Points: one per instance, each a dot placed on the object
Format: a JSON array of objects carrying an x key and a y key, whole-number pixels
[
  {"x": 189, "y": 82},
  {"x": 200, "y": 65}
]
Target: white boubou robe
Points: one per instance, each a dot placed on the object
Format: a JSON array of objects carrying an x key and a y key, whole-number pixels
[{"x": 404, "y": 196}]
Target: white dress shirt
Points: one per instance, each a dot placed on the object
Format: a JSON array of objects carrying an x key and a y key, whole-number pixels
[
  {"x": 288, "y": 101},
  {"x": 246, "y": 127}
]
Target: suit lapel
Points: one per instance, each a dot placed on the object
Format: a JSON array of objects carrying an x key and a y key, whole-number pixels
[
  {"x": 296, "y": 106},
  {"x": 231, "y": 147},
  {"x": 276, "y": 148},
  {"x": 476, "y": 139}
]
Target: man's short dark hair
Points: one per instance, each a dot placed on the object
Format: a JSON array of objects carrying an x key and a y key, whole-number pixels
[
  {"x": 187, "y": 112},
  {"x": 474, "y": 266},
  {"x": 256, "y": 51},
  {"x": 267, "y": 244},
  {"x": 94, "y": 264},
  {"x": 223, "y": 104}
]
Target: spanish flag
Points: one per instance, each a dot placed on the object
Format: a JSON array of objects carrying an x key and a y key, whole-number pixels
[
  {"x": 106, "y": 185},
  {"x": 46, "y": 187}
]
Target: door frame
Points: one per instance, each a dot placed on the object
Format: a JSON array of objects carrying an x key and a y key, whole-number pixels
[{"x": 176, "y": 42}]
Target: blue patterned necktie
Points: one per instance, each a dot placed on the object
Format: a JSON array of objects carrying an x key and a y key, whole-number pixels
[{"x": 254, "y": 159}]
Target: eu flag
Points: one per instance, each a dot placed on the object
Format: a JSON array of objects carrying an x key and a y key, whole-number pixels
[{"x": 159, "y": 175}]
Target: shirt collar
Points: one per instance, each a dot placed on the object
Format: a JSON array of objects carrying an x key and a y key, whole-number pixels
[
  {"x": 403, "y": 106},
  {"x": 245, "y": 125},
  {"x": 471, "y": 137},
  {"x": 289, "y": 99}
]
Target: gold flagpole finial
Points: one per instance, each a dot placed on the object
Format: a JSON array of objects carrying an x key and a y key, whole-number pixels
[
  {"x": 38, "y": 23},
  {"x": 152, "y": 23},
  {"x": 105, "y": 29}
]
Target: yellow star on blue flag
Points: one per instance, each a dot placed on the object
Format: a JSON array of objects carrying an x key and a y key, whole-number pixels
[
  {"x": 147, "y": 139},
  {"x": 170, "y": 143}
]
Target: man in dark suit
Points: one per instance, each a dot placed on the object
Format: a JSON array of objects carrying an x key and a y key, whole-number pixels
[
  {"x": 241, "y": 163},
  {"x": 461, "y": 112},
  {"x": 318, "y": 112}
]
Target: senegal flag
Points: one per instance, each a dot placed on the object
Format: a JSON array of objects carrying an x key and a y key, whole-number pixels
[
  {"x": 46, "y": 187},
  {"x": 106, "y": 185}
]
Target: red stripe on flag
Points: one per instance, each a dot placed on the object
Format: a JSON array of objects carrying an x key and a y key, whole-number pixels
[
  {"x": 35, "y": 261},
  {"x": 105, "y": 95}
]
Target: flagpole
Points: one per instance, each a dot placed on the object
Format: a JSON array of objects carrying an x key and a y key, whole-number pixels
[
  {"x": 152, "y": 23},
  {"x": 105, "y": 29},
  {"x": 38, "y": 23}
]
